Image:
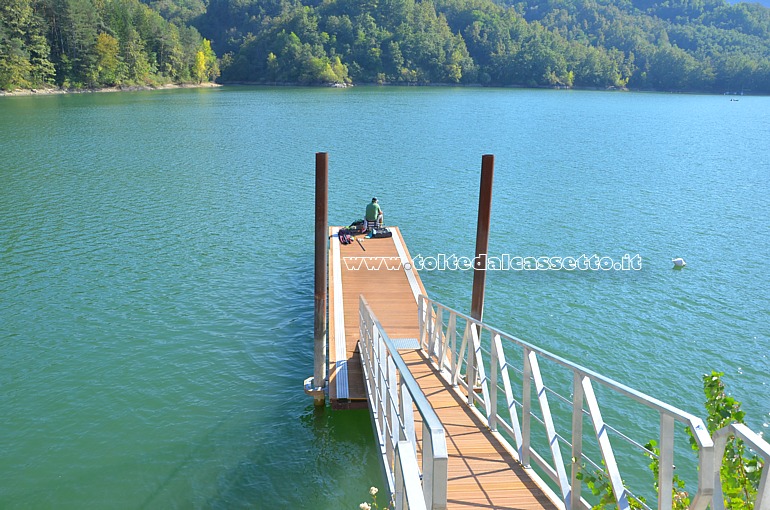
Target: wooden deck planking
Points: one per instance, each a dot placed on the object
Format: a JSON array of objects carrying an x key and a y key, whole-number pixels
[
  {"x": 388, "y": 293},
  {"x": 482, "y": 474}
]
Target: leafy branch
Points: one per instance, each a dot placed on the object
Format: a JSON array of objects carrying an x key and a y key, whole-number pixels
[{"x": 740, "y": 471}]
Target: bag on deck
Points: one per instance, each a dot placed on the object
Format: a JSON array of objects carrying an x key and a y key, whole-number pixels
[
  {"x": 357, "y": 227},
  {"x": 382, "y": 232},
  {"x": 344, "y": 236}
]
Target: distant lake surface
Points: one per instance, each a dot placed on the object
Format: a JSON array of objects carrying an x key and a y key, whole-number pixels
[{"x": 156, "y": 283}]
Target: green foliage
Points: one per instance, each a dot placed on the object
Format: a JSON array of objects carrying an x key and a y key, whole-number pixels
[
  {"x": 206, "y": 65},
  {"x": 599, "y": 484},
  {"x": 740, "y": 473},
  {"x": 679, "y": 45},
  {"x": 672, "y": 45},
  {"x": 24, "y": 51},
  {"x": 95, "y": 43},
  {"x": 680, "y": 497}
]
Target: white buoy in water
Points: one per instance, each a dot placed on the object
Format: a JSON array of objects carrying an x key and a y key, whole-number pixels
[{"x": 679, "y": 262}]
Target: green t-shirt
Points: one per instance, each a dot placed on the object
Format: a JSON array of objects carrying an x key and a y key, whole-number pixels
[{"x": 372, "y": 211}]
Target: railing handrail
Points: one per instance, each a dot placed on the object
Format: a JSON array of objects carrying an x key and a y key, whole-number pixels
[
  {"x": 429, "y": 416},
  {"x": 397, "y": 463},
  {"x": 435, "y": 341},
  {"x": 757, "y": 444},
  {"x": 659, "y": 405}
]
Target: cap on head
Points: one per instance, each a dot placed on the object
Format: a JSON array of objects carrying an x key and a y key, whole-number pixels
[{"x": 374, "y": 199}]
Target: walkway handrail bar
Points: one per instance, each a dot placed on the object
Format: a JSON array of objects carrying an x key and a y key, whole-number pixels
[
  {"x": 756, "y": 444},
  {"x": 439, "y": 339},
  {"x": 392, "y": 390},
  {"x": 408, "y": 476}
]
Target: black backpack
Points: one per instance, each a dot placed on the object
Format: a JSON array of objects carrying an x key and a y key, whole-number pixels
[
  {"x": 380, "y": 232},
  {"x": 357, "y": 227}
]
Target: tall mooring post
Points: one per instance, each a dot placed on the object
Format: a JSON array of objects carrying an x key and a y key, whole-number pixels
[
  {"x": 482, "y": 236},
  {"x": 315, "y": 385}
]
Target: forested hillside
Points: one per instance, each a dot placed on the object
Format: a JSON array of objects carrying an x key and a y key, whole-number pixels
[
  {"x": 671, "y": 45},
  {"x": 680, "y": 45},
  {"x": 97, "y": 43}
]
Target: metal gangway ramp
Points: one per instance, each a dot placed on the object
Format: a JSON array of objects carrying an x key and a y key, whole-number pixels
[
  {"x": 477, "y": 471},
  {"x": 468, "y": 416}
]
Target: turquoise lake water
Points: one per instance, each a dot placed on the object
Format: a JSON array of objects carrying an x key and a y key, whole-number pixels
[{"x": 156, "y": 283}]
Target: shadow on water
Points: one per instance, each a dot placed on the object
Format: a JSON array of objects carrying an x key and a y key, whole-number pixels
[
  {"x": 325, "y": 460},
  {"x": 182, "y": 466}
]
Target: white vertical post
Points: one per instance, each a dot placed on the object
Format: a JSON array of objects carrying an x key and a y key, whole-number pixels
[
  {"x": 577, "y": 440},
  {"x": 421, "y": 305},
  {"x": 458, "y": 367},
  {"x": 509, "y": 400},
  {"x": 427, "y": 465},
  {"x": 526, "y": 409},
  {"x": 430, "y": 318},
  {"x": 398, "y": 476},
  {"x": 391, "y": 416},
  {"x": 450, "y": 341},
  {"x": 470, "y": 365},
  {"x": 480, "y": 371},
  {"x": 407, "y": 413},
  {"x": 382, "y": 353},
  {"x": 550, "y": 427},
  {"x": 666, "y": 462},
  {"x": 492, "y": 411},
  {"x": 438, "y": 331},
  {"x": 602, "y": 437}
]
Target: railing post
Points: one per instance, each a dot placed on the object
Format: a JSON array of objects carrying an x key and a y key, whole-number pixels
[
  {"x": 434, "y": 471},
  {"x": 605, "y": 448},
  {"x": 398, "y": 485},
  {"x": 666, "y": 462},
  {"x": 437, "y": 331},
  {"x": 420, "y": 318},
  {"x": 430, "y": 319},
  {"x": 492, "y": 411},
  {"x": 509, "y": 400},
  {"x": 550, "y": 427},
  {"x": 470, "y": 366},
  {"x": 577, "y": 440},
  {"x": 526, "y": 409},
  {"x": 382, "y": 353},
  {"x": 407, "y": 413},
  {"x": 450, "y": 342},
  {"x": 427, "y": 465},
  {"x": 463, "y": 345},
  {"x": 392, "y": 406},
  {"x": 440, "y": 476}
]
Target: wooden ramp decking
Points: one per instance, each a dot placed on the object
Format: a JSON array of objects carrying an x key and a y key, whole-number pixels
[
  {"x": 352, "y": 273},
  {"x": 482, "y": 473}
]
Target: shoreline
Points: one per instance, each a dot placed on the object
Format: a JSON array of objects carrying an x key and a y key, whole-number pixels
[{"x": 131, "y": 88}]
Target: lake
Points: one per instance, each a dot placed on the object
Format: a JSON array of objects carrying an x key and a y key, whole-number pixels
[{"x": 156, "y": 279}]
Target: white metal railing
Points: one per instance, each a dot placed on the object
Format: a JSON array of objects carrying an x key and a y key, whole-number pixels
[
  {"x": 756, "y": 444},
  {"x": 392, "y": 391},
  {"x": 482, "y": 358}
]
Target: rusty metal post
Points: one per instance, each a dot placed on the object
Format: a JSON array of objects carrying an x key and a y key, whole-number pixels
[
  {"x": 321, "y": 264},
  {"x": 482, "y": 236}
]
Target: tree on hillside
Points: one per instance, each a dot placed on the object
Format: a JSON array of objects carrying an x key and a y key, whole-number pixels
[
  {"x": 24, "y": 50},
  {"x": 94, "y": 43}
]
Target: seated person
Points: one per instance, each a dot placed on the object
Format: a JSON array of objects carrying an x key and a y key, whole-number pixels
[{"x": 373, "y": 217}]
